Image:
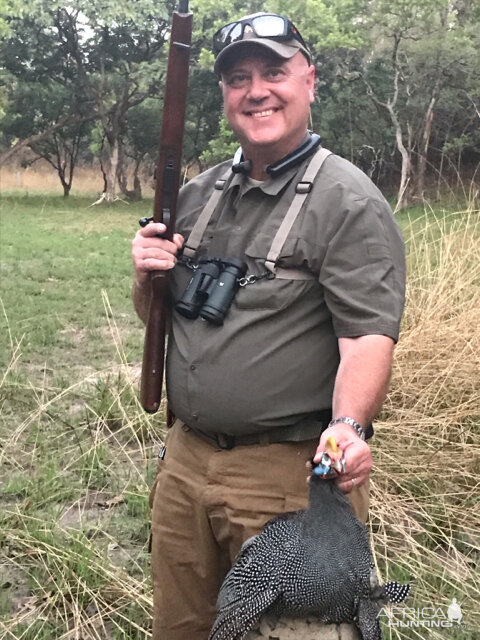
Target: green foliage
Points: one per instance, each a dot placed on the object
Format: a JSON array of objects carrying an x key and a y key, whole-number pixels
[
  {"x": 8, "y": 9},
  {"x": 143, "y": 125},
  {"x": 456, "y": 145},
  {"x": 206, "y": 60},
  {"x": 204, "y": 109},
  {"x": 106, "y": 56},
  {"x": 380, "y": 68},
  {"x": 221, "y": 148},
  {"x": 324, "y": 25}
]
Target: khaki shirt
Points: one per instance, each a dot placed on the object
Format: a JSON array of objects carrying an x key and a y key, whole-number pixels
[{"x": 274, "y": 360}]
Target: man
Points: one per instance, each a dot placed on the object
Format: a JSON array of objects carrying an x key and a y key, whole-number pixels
[{"x": 309, "y": 337}]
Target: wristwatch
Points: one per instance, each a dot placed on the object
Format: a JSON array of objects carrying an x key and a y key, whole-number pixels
[{"x": 353, "y": 423}]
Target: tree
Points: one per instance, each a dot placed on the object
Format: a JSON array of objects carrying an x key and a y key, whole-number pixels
[
  {"x": 61, "y": 151},
  {"x": 118, "y": 65},
  {"x": 111, "y": 55},
  {"x": 424, "y": 48},
  {"x": 398, "y": 85},
  {"x": 40, "y": 96},
  {"x": 44, "y": 107}
]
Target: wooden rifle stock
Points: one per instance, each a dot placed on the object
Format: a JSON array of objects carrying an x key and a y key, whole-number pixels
[{"x": 167, "y": 185}]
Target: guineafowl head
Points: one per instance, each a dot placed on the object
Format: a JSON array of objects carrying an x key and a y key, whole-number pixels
[
  {"x": 331, "y": 463},
  {"x": 325, "y": 496}
]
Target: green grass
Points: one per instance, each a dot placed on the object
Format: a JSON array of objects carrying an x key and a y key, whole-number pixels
[
  {"x": 61, "y": 259},
  {"x": 77, "y": 452}
]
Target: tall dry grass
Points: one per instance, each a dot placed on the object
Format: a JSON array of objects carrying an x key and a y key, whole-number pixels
[
  {"x": 425, "y": 507},
  {"x": 73, "y": 545},
  {"x": 40, "y": 177}
]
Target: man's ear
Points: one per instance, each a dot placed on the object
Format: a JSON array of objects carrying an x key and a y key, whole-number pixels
[{"x": 311, "y": 82}]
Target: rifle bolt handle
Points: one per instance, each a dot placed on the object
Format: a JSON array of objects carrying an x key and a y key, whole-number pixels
[{"x": 144, "y": 221}]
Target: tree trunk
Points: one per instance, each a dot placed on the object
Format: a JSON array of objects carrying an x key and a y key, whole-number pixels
[
  {"x": 134, "y": 194},
  {"x": 66, "y": 185},
  {"x": 422, "y": 156},
  {"x": 111, "y": 169},
  {"x": 427, "y": 132},
  {"x": 403, "y": 199}
]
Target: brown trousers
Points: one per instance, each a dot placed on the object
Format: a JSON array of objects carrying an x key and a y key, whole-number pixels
[{"x": 205, "y": 503}]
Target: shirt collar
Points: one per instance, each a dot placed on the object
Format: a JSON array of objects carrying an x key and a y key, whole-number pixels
[{"x": 271, "y": 186}]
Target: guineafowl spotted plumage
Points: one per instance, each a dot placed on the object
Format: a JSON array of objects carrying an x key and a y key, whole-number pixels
[{"x": 314, "y": 562}]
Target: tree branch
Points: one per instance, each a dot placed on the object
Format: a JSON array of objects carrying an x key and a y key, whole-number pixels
[{"x": 21, "y": 144}]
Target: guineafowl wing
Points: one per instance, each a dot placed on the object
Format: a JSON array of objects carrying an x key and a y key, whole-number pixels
[
  {"x": 234, "y": 621},
  {"x": 246, "y": 593},
  {"x": 367, "y": 621},
  {"x": 253, "y": 584}
]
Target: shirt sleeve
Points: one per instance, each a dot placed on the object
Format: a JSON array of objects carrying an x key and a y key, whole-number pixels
[{"x": 363, "y": 273}]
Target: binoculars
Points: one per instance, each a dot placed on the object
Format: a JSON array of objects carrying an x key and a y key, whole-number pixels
[{"x": 210, "y": 292}]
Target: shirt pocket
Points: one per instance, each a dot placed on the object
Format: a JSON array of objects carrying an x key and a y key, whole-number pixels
[{"x": 271, "y": 292}]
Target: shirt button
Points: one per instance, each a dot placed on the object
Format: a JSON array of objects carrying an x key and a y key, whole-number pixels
[
  {"x": 195, "y": 416},
  {"x": 193, "y": 367}
]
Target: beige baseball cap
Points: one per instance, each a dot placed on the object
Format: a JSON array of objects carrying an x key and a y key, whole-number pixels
[
  {"x": 285, "y": 50},
  {"x": 247, "y": 40}
]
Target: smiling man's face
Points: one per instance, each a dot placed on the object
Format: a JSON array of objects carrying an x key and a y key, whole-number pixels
[{"x": 267, "y": 102}]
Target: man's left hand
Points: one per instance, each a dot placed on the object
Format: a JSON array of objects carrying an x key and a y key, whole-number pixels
[{"x": 358, "y": 457}]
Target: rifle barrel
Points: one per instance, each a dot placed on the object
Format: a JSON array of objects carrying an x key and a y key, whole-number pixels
[{"x": 167, "y": 185}]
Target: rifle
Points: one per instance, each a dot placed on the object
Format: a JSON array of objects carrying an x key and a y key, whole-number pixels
[{"x": 166, "y": 191}]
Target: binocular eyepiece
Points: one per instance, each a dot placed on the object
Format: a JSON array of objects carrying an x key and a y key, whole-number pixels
[{"x": 210, "y": 292}]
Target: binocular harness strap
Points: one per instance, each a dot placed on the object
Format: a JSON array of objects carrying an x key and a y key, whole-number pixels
[
  {"x": 198, "y": 230},
  {"x": 292, "y": 274},
  {"x": 302, "y": 190}
]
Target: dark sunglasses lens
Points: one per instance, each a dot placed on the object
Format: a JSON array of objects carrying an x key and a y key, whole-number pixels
[
  {"x": 269, "y": 26},
  {"x": 235, "y": 34},
  {"x": 223, "y": 37}
]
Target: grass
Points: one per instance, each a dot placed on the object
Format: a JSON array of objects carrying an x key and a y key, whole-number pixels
[
  {"x": 77, "y": 452},
  {"x": 40, "y": 178},
  {"x": 425, "y": 516}
]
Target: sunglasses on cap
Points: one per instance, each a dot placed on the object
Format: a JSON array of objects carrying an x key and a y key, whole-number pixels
[{"x": 264, "y": 25}]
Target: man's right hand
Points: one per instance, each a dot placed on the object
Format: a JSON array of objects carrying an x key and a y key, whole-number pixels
[{"x": 150, "y": 252}]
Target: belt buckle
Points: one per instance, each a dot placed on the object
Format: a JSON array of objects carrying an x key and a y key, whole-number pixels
[{"x": 225, "y": 441}]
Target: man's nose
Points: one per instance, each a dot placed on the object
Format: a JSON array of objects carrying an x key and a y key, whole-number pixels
[{"x": 258, "y": 88}]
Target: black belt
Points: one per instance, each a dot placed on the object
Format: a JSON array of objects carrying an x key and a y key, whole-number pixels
[
  {"x": 304, "y": 430},
  {"x": 297, "y": 433},
  {"x": 224, "y": 441}
]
